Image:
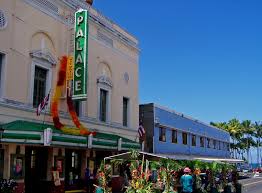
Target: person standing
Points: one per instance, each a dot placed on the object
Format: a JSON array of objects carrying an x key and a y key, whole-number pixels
[{"x": 187, "y": 181}]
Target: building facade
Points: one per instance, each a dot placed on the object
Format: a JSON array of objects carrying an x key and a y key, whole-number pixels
[
  {"x": 34, "y": 34},
  {"x": 170, "y": 132}
]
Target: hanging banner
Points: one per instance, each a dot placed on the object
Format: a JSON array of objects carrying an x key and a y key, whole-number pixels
[
  {"x": 80, "y": 55},
  {"x": 69, "y": 75}
]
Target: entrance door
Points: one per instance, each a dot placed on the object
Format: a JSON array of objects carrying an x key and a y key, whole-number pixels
[
  {"x": 35, "y": 169},
  {"x": 72, "y": 169}
]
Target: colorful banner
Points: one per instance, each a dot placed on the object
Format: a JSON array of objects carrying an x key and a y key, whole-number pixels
[{"x": 81, "y": 55}]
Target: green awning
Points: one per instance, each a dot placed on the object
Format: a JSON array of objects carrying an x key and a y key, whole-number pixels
[{"x": 26, "y": 132}]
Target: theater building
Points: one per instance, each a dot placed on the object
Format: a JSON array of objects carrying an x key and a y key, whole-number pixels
[
  {"x": 181, "y": 137},
  {"x": 34, "y": 34}
]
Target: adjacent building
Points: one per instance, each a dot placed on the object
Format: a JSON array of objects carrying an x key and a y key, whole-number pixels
[
  {"x": 34, "y": 34},
  {"x": 173, "y": 133}
]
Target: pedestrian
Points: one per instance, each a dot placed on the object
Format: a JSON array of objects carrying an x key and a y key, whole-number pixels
[{"x": 187, "y": 181}]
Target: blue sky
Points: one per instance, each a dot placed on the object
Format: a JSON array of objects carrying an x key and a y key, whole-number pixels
[{"x": 202, "y": 58}]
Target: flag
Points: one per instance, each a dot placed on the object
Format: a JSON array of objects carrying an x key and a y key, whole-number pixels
[
  {"x": 42, "y": 105},
  {"x": 141, "y": 132}
]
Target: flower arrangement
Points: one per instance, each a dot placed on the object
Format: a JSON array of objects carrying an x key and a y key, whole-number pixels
[
  {"x": 80, "y": 129},
  {"x": 104, "y": 177},
  {"x": 7, "y": 186}
]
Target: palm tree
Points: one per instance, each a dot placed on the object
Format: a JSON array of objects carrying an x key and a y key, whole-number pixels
[
  {"x": 258, "y": 135},
  {"x": 248, "y": 130},
  {"x": 234, "y": 128}
]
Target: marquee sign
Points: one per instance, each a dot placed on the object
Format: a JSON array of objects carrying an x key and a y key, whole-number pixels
[{"x": 80, "y": 55}]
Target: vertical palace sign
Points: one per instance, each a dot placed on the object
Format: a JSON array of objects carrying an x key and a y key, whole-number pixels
[{"x": 80, "y": 55}]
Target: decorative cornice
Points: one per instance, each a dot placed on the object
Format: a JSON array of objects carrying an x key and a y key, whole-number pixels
[
  {"x": 105, "y": 80},
  {"x": 44, "y": 55}
]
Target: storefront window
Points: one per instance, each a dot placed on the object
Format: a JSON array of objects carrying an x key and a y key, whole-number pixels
[
  {"x": 17, "y": 169},
  {"x": 1, "y": 163},
  {"x": 73, "y": 167}
]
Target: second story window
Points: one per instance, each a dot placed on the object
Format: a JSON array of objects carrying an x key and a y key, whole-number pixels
[
  {"x": 193, "y": 140},
  {"x": 208, "y": 143},
  {"x": 103, "y": 105},
  {"x": 162, "y": 134},
  {"x": 184, "y": 136},
  {"x": 1, "y": 69},
  {"x": 125, "y": 111},
  {"x": 219, "y": 145},
  {"x": 174, "y": 136},
  {"x": 202, "y": 142},
  {"x": 39, "y": 85},
  {"x": 77, "y": 107},
  {"x": 215, "y": 144}
]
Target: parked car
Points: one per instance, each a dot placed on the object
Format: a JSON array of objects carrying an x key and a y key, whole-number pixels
[{"x": 259, "y": 170}]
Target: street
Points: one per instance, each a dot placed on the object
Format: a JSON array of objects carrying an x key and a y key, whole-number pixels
[{"x": 252, "y": 185}]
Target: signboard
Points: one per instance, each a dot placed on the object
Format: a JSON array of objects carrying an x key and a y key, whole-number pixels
[
  {"x": 69, "y": 76},
  {"x": 80, "y": 55}
]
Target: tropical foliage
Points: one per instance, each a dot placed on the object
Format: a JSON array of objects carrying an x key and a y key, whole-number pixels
[
  {"x": 164, "y": 175},
  {"x": 244, "y": 135}
]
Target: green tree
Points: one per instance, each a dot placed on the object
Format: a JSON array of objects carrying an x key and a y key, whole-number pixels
[
  {"x": 249, "y": 131},
  {"x": 258, "y": 135}
]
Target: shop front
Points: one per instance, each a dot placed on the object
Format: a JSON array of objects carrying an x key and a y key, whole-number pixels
[{"x": 43, "y": 159}]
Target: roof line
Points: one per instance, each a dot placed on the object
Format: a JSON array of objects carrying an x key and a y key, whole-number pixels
[{"x": 183, "y": 115}]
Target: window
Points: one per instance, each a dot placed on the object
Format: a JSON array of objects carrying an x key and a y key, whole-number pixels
[
  {"x": 162, "y": 134},
  {"x": 39, "y": 85},
  {"x": 193, "y": 140},
  {"x": 1, "y": 67},
  {"x": 174, "y": 136},
  {"x": 228, "y": 146},
  {"x": 125, "y": 111},
  {"x": 219, "y": 145},
  {"x": 215, "y": 144},
  {"x": 184, "y": 135},
  {"x": 208, "y": 143},
  {"x": 202, "y": 142},
  {"x": 103, "y": 105}
]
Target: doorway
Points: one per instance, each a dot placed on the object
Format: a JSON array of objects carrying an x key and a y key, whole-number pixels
[
  {"x": 1, "y": 163},
  {"x": 35, "y": 169},
  {"x": 73, "y": 169}
]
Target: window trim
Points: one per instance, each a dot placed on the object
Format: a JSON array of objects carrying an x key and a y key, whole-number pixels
[{"x": 45, "y": 65}]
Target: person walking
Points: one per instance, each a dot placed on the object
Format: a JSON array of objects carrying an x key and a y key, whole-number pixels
[{"x": 187, "y": 181}]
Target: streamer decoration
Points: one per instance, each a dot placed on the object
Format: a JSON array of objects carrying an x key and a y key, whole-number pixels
[{"x": 80, "y": 129}]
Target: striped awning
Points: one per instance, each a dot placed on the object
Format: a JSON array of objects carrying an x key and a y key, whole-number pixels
[{"x": 25, "y": 132}]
